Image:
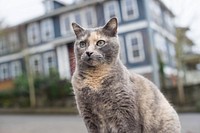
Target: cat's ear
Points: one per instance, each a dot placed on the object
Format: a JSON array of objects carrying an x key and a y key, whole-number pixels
[
  {"x": 110, "y": 28},
  {"x": 78, "y": 30}
]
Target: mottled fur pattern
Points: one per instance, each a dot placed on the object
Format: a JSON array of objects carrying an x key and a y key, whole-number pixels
[{"x": 109, "y": 98}]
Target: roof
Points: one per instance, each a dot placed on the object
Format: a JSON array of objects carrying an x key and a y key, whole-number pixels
[
  {"x": 63, "y": 10},
  {"x": 167, "y": 8},
  {"x": 56, "y": 1}
]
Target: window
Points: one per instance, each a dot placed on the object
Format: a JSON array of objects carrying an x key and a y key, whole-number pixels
[
  {"x": 111, "y": 9},
  {"x": 130, "y": 9},
  {"x": 90, "y": 17},
  {"x": 122, "y": 50},
  {"x": 65, "y": 24},
  {"x": 156, "y": 11},
  {"x": 47, "y": 29},
  {"x": 33, "y": 34},
  {"x": 135, "y": 49},
  {"x": 36, "y": 64},
  {"x": 13, "y": 40},
  {"x": 161, "y": 46},
  {"x": 3, "y": 46},
  {"x": 77, "y": 17},
  {"x": 172, "y": 53},
  {"x": 169, "y": 22},
  {"x": 4, "y": 72},
  {"x": 48, "y": 5},
  {"x": 49, "y": 62},
  {"x": 16, "y": 69}
]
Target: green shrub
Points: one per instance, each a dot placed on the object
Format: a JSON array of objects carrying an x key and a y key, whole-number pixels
[
  {"x": 48, "y": 90},
  {"x": 197, "y": 105},
  {"x": 52, "y": 86}
]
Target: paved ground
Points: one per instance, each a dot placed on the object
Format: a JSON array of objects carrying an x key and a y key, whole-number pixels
[
  {"x": 190, "y": 122},
  {"x": 70, "y": 124}
]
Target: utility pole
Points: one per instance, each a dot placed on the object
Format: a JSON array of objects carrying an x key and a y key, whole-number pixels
[
  {"x": 29, "y": 72},
  {"x": 180, "y": 34}
]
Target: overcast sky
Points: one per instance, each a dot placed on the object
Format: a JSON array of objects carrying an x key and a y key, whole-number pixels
[{"x": 187, "y": 13}]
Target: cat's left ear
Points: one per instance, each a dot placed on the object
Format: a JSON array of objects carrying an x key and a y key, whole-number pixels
[
  {"x": 78, "y": 30},
  {"x": 110, "y": 28}
]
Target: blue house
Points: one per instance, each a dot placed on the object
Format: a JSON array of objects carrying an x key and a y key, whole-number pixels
[{"x": 146, "y": 32}]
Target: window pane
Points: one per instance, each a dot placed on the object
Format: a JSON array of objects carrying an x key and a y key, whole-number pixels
[
  {"x": 136, "y": 53},
  {"x": 89, "y": 18},
  {"x": 130, "y": 7},
  {"x": 111, "y": 9},
  {"x": 134, "y": 42},
  {"x": 67, "y": 24}
]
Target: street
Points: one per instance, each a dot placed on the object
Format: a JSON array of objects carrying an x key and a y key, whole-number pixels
[{"x": 71, "y": 124}]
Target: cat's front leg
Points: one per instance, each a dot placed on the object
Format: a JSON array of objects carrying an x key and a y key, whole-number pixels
[
  {"x": 91, "y": 122},
  {"x": 122, "y": 121}
]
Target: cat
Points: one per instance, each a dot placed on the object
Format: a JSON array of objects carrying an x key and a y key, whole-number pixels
[{"x": 108, "y": 97}]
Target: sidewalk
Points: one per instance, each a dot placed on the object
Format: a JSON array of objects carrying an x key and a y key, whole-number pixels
[{"x": 40, "y": 111}]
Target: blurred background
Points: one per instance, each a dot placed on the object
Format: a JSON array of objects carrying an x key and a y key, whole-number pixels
[{"x": 160, "y": 39}]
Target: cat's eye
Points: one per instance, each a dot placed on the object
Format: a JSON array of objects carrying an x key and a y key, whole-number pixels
[
  {"x": 82, "y": 44},
  {"x": 100, "y": 43}
]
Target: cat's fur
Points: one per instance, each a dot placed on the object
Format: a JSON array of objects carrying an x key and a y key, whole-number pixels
[{"x": 109, "y": 98}]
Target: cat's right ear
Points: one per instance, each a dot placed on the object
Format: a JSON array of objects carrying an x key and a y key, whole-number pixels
[
  {"x": 78, "y": 30},
  {"x": 110, "y": 28}
]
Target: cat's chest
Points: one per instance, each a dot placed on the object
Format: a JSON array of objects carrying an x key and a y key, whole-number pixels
[
  {"x": 93, "y": 82},
  {"x": 97, "y": 100}
]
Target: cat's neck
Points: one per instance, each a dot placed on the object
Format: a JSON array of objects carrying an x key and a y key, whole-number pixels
[{"x": 101, "y": 70}]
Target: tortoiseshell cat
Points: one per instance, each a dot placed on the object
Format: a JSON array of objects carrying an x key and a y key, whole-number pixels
[{"x": 109, "y": 98}]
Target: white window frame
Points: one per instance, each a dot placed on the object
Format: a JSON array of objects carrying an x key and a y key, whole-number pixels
[
  {"x": 122, "y": 50},
  {"x": 36, "y": 33},
  {"x": 47, "y": 25},
  {"x": 16, "y": 69},
  {"x": 130, "y": 48},
  {"x": 46, "y": 63},
  {"x": 116, "y": 10},
  {"x": 2, "y": 76},
  {"x": 32, "y": 64},
  {"x": 62, "y": 24},
  {"x": 135, "y": 8},
  {"x": 71, "y": 17}
]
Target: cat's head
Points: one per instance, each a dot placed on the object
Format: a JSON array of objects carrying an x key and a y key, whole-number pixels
[{"x": 94, "y": 47}]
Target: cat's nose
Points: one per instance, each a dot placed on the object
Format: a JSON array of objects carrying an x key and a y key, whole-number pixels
[{"x": 89, "y": 53}]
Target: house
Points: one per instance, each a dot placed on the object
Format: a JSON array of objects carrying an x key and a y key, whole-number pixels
[
  {"x": 188, "y": 59},
  {"x": 146, "y": 30}
]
